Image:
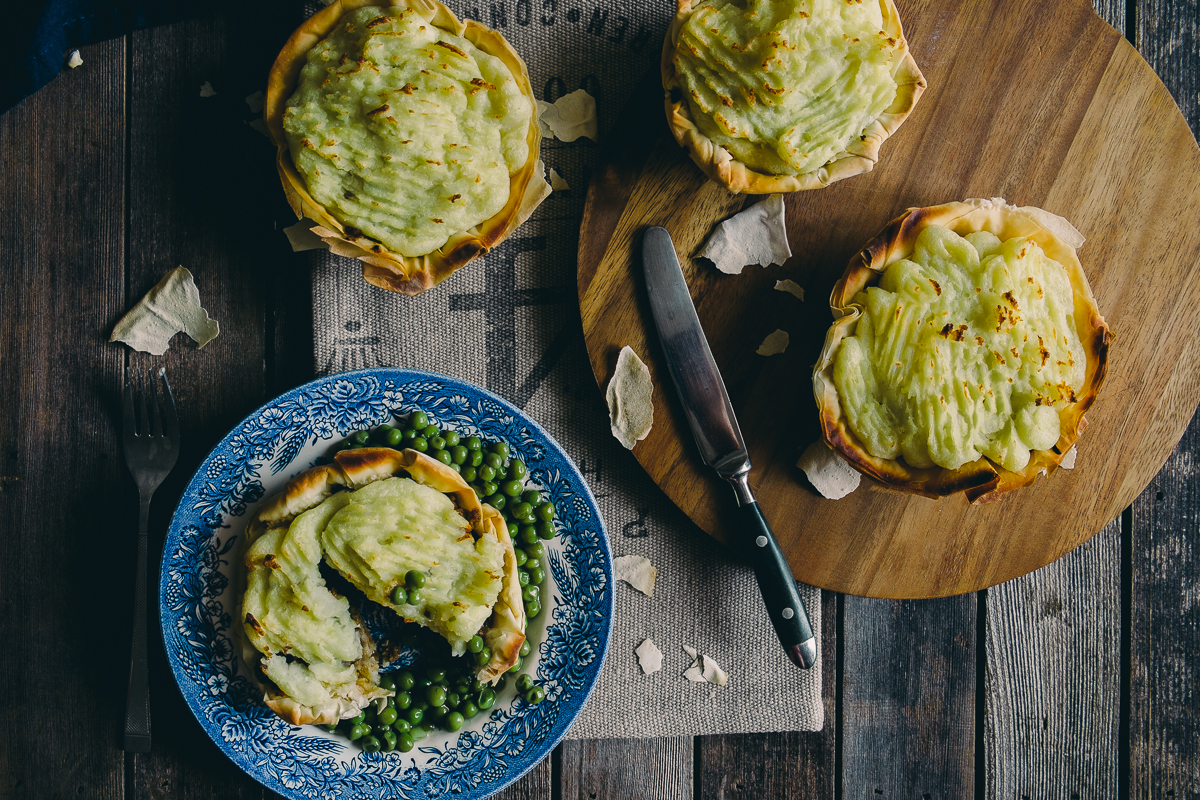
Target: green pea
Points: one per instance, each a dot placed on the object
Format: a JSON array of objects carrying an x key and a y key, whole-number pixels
[
  {"x": 419, "y": 444},
  {"x": 389, "y": 741},
  {"x": 360, "y": 719},
  {"x": 418, "y": 420},
  {"x": 452, "y": 438},
  {"x": 515, "y": 668},
  {"x": 401, "y": 725},
  {"x": 423, "y": 683},
  {"x": 534, "y": 549},
  {"x": 517, "y": 468},
  {"x": 537, "y": 576},
  {"x": 546, "y": 512},
  {"x": 453, "y": 699},
  {"x": 475, "y": 644},
  {"x": 415, "y": 597},
  {"x": 500, "y": 449},
  {"x": 496, "y": 501},
  {"x": 414, "y": 715},
  {"x": 494, "y": 461},
  {"x": 483, "y": 656},
  {"x": 532, "y": 496},
  {"x": 399, "y": 596},
  {"x": 435, "y": 695},
  {"x": 359, "y": 437},
  {"x": 406, "y": 741},
  {"x": 442, "y": 456},
  {"x": 531, "y": 528},
  {"x": 522, "y": 558},
  {"x": 437, "y": 442},
  {"x": 511, "y": 488},
  {"x": 436, "y": 675},
  {"x": 524, "y": 683},
  {"x": 458, "y": 453},
  {"x": 469, "y": 474},
  {"x": 535, "y": 695},
  {"x": 489, "y": 488},
  {"x": 414, "y": 579},
  {"x": 502, "y": 473},
  {"x": 526, "y": 648},
  {"x": 523, "y": 512},
  {"x": 394, "y": 437},
  {"x": 486, "y": 473},
  {"x": 531, "y": 593},
  {"x": 455, "y": 467},
  {"x": 387, "y": 682},
  {"x": 431, "y": 430},
  {"x": 404, "y": 681},
  {"x": 359, "y": 731},
  {"x": 382, "y": 428},
  {"x": 468, "y": 709},
  {"x": 370, "y": 744},
  {"x": 330, "y": 728},
  {"x": 438, "y": 712},
  {"x": 486, "y": 699},
  {"x": 388, "y": 716},
  {"x": 408, "y": 436},
  {"x": 545, "y": 529},
  {"x": 527, "y": 535},
  {"x": 418, "y": 733},
  {"x": 453, "y": 721},
  {"x": 474, "y": 443},
  {"x": 523, "y": 577},
  {"x": 533, "y": 608},
  {"x": 476, "y": 458}
]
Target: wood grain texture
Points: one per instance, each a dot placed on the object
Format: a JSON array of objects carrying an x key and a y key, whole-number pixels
[
  {"x": 533, "y": 785},
  {"x": 908, "y": 698},
  {"x": 627, "y": 769},
  {"x": 68, "y": 522},
  {"x": 1053, "y": 689},
  {"x": 1164, "y": 747},
  {"x": 1079, "y": 125},
  {"x": 200, "y": 197},
  {"x": 793, "y": 765}
]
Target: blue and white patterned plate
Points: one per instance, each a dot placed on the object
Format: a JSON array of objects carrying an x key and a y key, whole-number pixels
[{"x": 254, "y": 461}]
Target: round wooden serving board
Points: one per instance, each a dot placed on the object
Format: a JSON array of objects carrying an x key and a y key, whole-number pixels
[{"x": 1042, "y": 104}]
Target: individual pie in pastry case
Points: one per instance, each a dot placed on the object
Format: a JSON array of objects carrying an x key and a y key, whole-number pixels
[
  {"x": 784, "y": 95},
  {"x": 965, "y": 351},
  {"x": 408, "y": 136}
]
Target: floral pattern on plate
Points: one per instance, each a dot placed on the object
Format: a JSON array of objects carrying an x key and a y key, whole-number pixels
[{"x": 196, "y": 598}]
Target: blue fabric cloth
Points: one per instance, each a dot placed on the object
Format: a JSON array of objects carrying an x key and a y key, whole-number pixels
[{"x": 49, "y": 29}]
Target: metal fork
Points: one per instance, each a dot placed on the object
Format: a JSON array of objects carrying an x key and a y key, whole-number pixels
[{"x": 151, "y": 442}]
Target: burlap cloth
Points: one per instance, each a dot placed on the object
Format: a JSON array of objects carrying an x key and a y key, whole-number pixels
[{"x": 510, "y": 322}]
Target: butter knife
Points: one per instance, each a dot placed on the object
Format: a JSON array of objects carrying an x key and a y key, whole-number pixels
[{"x": 710, "y": 415}]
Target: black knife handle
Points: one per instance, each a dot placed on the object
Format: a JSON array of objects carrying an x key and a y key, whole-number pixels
[{"x": 777, "y": 586}]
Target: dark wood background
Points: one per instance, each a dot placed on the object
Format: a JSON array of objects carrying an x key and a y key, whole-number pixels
[{"x": 1081, "y": 680}]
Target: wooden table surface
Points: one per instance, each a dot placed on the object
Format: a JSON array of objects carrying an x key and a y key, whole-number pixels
[{"x": 1081, "y": 680}]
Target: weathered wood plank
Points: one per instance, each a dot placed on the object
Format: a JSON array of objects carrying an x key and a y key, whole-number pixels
[
  {"x": 627, "y": 769},
  {"x": 908, "y": 698},
  {"x": 1164, "y": 725},
  {"x": 1053, "y": 689},
  {"x": 67, "y": 518},
  {"x": 199, "y": 183},
  {"x": 795, "y": 765}
]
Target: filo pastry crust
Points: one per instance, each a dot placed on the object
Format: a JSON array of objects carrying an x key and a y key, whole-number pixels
[
  {"x": 410, "y": 275},
  {"x": 981, "y": 480},
  {"x": 860, "y": 154},
  {"x": 504, "y": 632}
]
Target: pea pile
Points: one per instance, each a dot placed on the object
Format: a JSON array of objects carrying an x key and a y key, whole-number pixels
[{"x": 441, "y": 691}]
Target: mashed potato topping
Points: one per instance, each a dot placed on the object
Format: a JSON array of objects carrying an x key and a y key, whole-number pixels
[
  {"x": 404, "y": 131},
  {"x": 786, "y": 85},
  {"x": 966, "y": 349}
]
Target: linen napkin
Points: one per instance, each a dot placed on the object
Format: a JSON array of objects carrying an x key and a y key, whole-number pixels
[{"x": 510, "y": 322}]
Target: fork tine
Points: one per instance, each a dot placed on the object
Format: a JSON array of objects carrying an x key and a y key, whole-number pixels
[
  {"x": 128, "y": 419},
  {"x": 143, "y": 416},
  {"x": 155, "y": 421},
  {"x": 170, "y": 416}
]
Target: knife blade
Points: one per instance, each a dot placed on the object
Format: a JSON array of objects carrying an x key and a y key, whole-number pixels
[{"x": 719, "y": 439}]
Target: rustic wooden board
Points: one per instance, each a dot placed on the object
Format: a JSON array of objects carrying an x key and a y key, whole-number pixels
[
  {"x": 908, "y": 698},
  {"x": 1079, "y": 125},
  {"x": 628, "y": 769},
  {"x": 65, "y": 509}
]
